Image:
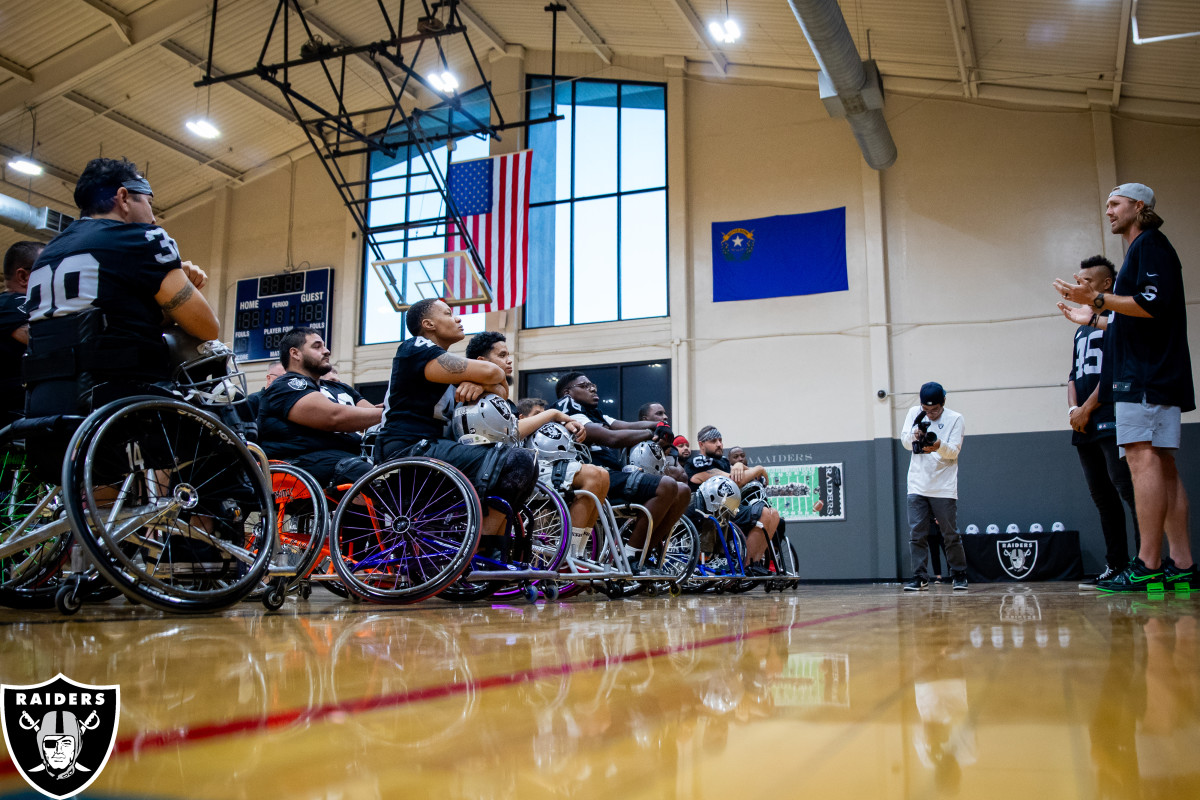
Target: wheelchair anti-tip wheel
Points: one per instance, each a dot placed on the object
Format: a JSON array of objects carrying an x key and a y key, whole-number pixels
[
  {"x": 170, "y": 504},
  {"x": 405, "y": 530}
]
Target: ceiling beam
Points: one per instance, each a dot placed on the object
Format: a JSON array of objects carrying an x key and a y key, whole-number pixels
[
  {"x": 1122, "y": 46},
  {"x": 717, "y": 58},
  {"x": 101, "y": 110},
  {"x": 95, "y": 54},
  {"x": 472, "y": 18},
  {"x": 330, "y": 34},
  {"x": 15, "y": 70},
  {"x": 176, "y": 49},
  {"x": 964, "y": 47},
  {"x": 116, "y": 19},
  {"x": 61, "y": 174},
  {"x": 594, "y": 39}
]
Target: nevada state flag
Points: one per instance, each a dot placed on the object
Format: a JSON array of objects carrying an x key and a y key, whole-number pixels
[{"x": 780, "y": 256}]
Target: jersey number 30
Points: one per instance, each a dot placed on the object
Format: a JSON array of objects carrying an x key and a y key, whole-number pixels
[{"x": 64, "y": 288}]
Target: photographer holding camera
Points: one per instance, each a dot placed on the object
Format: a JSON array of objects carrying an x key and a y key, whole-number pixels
[{"x": 934, "y": 433}]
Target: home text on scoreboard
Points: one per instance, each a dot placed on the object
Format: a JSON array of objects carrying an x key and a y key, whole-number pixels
[{"x": 270, "y": 306}]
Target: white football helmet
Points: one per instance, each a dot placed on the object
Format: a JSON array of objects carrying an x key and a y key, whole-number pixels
[
  {"x": 1035, "y": 527},
  {"x": 1058, "y": 527},
  {"x": 204, "y": 372},
  {"x": 993, "y": 528},
  {"x": 972, "y": 528},
  {"x": 553, "y": 442},
  {"x": 486, "y": 421},
  {"x": 720, "y": 496},
  {"x": 1012, "y": 528},
  {"x": 647, "y": 457}
]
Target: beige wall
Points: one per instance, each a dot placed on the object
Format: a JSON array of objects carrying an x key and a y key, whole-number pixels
[{"x": 954, "y": 246}]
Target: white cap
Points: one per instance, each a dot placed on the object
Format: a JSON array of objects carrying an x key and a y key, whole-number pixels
[
  {"x": 1012, "y": 528},
  {"x": 993, "y": 528},
  {"x": 972, "y": 528},
  {"x": 1058, "y": 526},
  {"x": 1135, "y": 191},
  {"x": 1035, "y": 527}
]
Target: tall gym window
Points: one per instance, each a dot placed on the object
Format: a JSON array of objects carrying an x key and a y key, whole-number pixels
[
  {"x": 598, "y": 203},
  {"x": 401, "y": 191}
]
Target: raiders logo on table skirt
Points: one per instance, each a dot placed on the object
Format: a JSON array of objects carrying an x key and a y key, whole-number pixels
[
  {"x": 1017, "y": 556},
  {"x": 60, "y": 733}
]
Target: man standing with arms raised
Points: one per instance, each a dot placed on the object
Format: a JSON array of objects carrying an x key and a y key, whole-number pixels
[{"x": 1146, "y": 343}]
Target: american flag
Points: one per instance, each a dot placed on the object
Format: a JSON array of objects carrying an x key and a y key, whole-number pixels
[{"x": 492, "y": 197}]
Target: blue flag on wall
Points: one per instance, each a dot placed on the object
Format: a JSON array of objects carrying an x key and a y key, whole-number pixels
[{"x": 780, "y": 256}]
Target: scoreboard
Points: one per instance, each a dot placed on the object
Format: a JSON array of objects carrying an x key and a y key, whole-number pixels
[{"x": 270, "y": 306}]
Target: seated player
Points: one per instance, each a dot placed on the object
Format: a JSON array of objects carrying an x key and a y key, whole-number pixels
[
  {"x": 100, "y": 293},
  {"x": 420, "y": 400},
  {"x": 757, "y": 519},
  {"x": 657, "y": 413},
  {"x": 339, "y": 392},
  {"x": 682, "y": 448},
  {"x": 664, "y": 497},
  {"x": 492, "y": 346},
  {"x": 530, "y": 406},
  {"x": 14, "y": 327},
  {"x": 299, "y": 424}
]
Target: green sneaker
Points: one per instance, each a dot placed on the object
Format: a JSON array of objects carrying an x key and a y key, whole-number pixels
[
  {"x": 1181, "y": 580},
  {"x": 1136, "y": 577}
]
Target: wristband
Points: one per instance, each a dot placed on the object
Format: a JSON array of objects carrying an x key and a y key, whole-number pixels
[{"x": 1071, "y": 410}]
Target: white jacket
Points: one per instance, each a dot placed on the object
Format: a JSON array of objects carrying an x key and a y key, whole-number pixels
[{"x": 935, "y": 474}]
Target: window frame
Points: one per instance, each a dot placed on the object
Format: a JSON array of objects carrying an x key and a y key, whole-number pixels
[{"x": 618, "y": 195}]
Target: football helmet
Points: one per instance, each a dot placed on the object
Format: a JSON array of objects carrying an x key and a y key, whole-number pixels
[
  {"x": 753, "y": 492},
  {"x": 204, "y": 372},
  {"x": 647, "y": 457},
  {"x": 720, "y": 496},
  {"x": 486, "y": 421},
  {"x": 553, "y": 442}
]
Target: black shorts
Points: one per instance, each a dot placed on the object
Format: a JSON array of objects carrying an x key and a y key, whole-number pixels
[
  {"x": 333, "y": 467},
  {"x": 466, "y": 458},
  {"x": 631, "y": 487},
  {"x": 748, "y": 514}
]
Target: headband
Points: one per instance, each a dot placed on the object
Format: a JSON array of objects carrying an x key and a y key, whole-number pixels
[{"x": 709, "y": 435}]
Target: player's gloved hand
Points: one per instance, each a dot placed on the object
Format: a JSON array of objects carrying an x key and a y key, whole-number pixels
[{"x": 663, "y": 432}]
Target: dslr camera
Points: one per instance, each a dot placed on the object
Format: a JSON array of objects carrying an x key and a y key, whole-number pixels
[{"x": 925, "y": 438}]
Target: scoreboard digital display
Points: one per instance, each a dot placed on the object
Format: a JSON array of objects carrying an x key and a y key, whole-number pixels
[{"x": 270, "y": 306}]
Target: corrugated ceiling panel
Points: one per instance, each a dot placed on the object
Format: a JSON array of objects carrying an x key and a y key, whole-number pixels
[
  {"x": 31, "y": 32},
  {"x": 1169, "y": 70}
]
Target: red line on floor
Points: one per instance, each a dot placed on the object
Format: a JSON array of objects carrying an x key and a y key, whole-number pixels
[{"x": 154, "y": 740}]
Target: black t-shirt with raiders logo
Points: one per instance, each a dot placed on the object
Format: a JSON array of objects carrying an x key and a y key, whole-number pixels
[
  {"x": 416, "y": 407},
  {"x": 340, "y": 392},
  {"x": 283, "y": 439},
  {"x": 610, "y": 458},
  {"x": 698, "y": 462}
]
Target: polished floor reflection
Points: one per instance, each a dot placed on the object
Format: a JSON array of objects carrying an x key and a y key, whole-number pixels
[{"x": 1007, "y": 691}]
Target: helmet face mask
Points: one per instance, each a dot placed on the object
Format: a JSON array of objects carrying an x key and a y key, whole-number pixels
[
  {"x": 721, "y": 497},
  {"x": 486, "y": 421},
  {"x": 205, "y": 372}
]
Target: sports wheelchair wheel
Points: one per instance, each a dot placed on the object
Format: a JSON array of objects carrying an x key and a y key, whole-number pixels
[
  {"x": 32, "y": 546},
  {"x": 170, "y": 505},
  {"x": 301, "y": 515},
  {"x": 548, "y": 524},
  {"x": 682, "y": 552},
  {"x": 405, "y": 530}
]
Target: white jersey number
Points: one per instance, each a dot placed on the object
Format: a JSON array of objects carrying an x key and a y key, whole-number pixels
[
  {"x": 166, "y": 243},
  {"x": 1088, "y": 359},
  {"x": 65, "y": 288}
]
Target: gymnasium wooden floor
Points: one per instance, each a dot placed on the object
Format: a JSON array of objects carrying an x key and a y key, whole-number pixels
[{"x": 848, "y": 691}]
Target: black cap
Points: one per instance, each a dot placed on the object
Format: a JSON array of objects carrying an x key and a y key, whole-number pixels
[{"x": 932, "y": 393}]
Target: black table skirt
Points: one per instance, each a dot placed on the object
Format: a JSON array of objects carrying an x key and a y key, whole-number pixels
[{"x": 1023, "y": 556}]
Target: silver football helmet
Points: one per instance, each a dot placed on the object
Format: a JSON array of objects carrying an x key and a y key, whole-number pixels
[
  {"x": 720, "y": 496},
  {"x": 204, "y": 372},
  {"x": 553, "y": 442},
  {"x": 647, "y": 457},
  {"x": 487, "y": 420},
  {"x": 753, "y": 492}
]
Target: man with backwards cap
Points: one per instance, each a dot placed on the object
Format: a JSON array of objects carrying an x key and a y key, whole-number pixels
[
  {"x": 1146, "y": 344},
  {"x": 100, "y": 293},
  {"x": 933, "y": 485}
]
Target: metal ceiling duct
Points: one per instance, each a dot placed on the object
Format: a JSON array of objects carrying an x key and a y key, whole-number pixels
[
  {"x": 850, "y": 87},
  {"x": 43, "y": 223}
]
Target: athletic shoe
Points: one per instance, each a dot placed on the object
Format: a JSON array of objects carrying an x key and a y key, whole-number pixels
[
  {"x": 1108, "y": 574},
  {"x": 960, "y": 584},
  {"x": 1137, "y": 577},
  {"x": 1181, "y": 580},
  {"x": 757, "y": 569},
  {"x": 916, "y": 585},
  {"x": 718, "y": 564}
]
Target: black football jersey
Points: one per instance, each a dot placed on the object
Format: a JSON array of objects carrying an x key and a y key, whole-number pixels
[
  {"x": 1088, "y": 369},
  {"x": 12, "y": 317},
  {"x": 115, "y": 266},
  {"x": 340, "y": 392},
  {"x": 416, "y": 407},
  {"x": 610, "y": 458},
  {"x": 698, "y": 462},
  {"x": 284, "y": 439}
]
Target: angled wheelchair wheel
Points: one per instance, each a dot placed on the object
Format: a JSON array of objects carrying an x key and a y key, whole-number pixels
[
  {"x": 171, "y": 506},
  {"x": 405, "y": 530},
  {"x": 737, "y": 556},
  {"x": 34, "y": 535},
  {"x": 682, "y": 553},
  {"x": 301, "y": 515},
  {"x": 548, "y": 523}
]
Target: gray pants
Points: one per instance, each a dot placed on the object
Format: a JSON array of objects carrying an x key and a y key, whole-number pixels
[{"x": 945, "y": 510}]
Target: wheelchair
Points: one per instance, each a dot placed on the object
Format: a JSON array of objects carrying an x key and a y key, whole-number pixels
[{"x": 156, "y": 495}]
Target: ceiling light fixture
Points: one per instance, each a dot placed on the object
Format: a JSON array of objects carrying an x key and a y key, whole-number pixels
[
  {"x": 727, "y": 32},
  {"x": 203, "y": 128},
  {"x": 444, "y": 82},
  {"x": 25, "y": 166}
]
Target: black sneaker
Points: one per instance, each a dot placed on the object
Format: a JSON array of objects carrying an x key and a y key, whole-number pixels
[
  {"x": 757, "y": 569},
  {"x": 916, "y": 585},
  {"x": 1137, "y": 577},
  {"x": 1181, "y": 580},
  {"x": 1108, "y": 574},
  {"x": 960, "y": 584}
]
